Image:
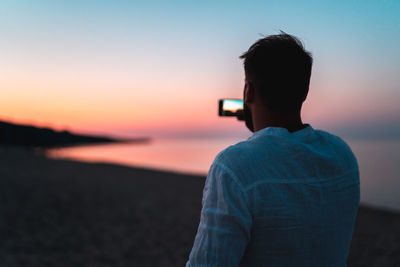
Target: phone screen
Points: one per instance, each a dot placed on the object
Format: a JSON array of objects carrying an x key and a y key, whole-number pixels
[{"x": 230, "y": 107}]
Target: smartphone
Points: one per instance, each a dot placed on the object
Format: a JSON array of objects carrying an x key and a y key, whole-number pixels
[{"x": 230, "y": 107}]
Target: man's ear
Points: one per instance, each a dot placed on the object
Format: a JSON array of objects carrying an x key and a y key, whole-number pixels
[{"x": 249, "y": 93}]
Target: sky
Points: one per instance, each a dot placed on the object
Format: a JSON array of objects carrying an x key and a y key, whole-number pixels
[{"x": 158, "y": 68}]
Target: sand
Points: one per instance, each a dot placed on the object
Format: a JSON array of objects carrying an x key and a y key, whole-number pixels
[{"x": 67, "y": 213}]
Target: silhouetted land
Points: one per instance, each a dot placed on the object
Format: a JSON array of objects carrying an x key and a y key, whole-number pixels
[
  {"x": 26, "y": 135},
  {"x": 67, "y": 213}
]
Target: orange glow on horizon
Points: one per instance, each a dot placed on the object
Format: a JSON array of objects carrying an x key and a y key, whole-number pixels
[{"x": 95, "y": 103}]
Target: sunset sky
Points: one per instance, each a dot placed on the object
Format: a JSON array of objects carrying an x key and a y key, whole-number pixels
[{"x": 129, "y": 68}]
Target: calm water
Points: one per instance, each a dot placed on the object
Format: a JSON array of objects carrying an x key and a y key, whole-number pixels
[{"x": 379, "y": 161}]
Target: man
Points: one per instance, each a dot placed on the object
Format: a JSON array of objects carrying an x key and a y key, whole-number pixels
[{"x": 288, "y": 196}]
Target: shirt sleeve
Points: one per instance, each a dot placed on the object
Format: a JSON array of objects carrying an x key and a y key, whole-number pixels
[{"x": 225, "y": 221}]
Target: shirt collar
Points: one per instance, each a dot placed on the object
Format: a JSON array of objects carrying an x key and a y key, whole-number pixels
[{"x": 279, "y": 131}]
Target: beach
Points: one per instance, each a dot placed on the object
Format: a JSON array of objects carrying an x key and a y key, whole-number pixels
[{"x": 67, "y": 213}]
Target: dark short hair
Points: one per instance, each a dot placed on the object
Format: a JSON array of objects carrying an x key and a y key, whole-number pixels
[{"x": 280, "y": 67}]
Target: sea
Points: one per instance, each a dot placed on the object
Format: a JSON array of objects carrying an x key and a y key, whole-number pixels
[{"x": 379, "y": 161}]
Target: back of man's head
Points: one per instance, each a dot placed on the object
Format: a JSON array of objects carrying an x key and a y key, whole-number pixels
[{"x": 279, "y": 68}]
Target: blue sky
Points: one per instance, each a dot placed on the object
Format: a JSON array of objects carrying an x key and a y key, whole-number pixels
[{"x": 173, "y": 54}]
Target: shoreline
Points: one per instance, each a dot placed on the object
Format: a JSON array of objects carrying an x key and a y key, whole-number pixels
[{"x": 66, "y": 213}]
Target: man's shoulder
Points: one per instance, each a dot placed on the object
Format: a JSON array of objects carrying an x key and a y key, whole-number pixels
[
  {"x": 241, "y": 156},
  {"x": 229, "y": 155},
  {"x": 233, "y": 149},
  {"x": 250, "y": 145},
  {"x": 328, "y": 135},
  {"x": 233, "y": 152},
  {"x": 231, "y": 161},
  {"x": 341, "y": 147},
  {"x": 335, "y": 140}
]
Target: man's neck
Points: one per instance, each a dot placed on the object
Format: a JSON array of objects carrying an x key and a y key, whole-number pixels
[{"x": 291, "y": 121}]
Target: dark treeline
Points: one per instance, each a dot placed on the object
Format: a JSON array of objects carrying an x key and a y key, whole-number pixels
[{"x": 25, "y": 135}]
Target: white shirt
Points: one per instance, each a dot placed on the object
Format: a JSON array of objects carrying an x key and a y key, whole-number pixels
[{"x": 279, "y": 199}]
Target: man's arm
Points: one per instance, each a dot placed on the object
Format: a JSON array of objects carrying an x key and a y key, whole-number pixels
[{"x": 225, "y": 222}]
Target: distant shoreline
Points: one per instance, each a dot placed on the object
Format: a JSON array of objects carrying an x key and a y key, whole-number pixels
[
  {"x": 30, "y": 136},
  {"x": 139, "y": 140}
]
